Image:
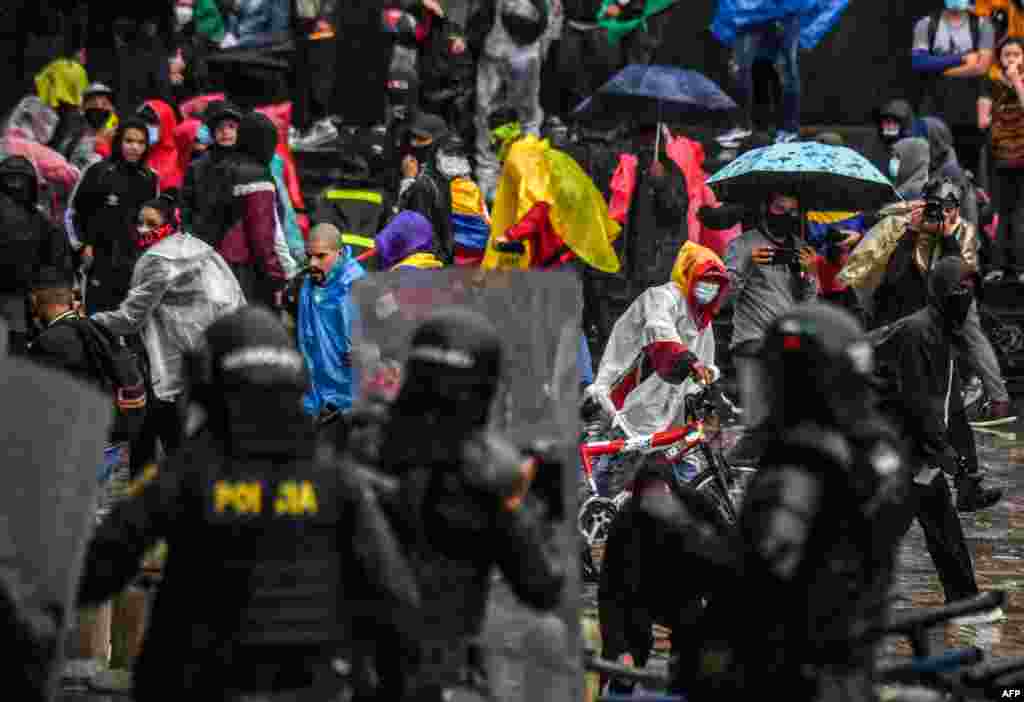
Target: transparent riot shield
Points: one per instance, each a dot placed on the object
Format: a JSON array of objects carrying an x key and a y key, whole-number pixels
[
  {"x": 530, "y": 656},
  {"x": 52, "y": 440}
]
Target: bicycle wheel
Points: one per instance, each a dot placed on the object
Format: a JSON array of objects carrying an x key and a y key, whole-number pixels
[{"x": 707, "y": 484}]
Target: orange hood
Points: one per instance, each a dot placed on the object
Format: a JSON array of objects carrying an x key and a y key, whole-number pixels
[{"x": 695, "y": 262}]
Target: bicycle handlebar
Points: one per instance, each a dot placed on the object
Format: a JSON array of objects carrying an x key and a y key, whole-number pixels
[
  {"x": 909, "y": 623},
  {"x": 988, "y": 672},
  {"x": 943, "y": 663},
  {"x": 600, "y": 665}
]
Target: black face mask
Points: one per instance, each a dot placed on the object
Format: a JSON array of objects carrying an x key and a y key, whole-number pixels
[
  {"x": 956, "y": 307},
  {"x": 783, "y": 226},
  {"x": 96, "y": 117}
]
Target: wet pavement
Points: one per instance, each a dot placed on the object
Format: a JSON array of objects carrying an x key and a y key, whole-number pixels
[{"x": 995, "y": 537}]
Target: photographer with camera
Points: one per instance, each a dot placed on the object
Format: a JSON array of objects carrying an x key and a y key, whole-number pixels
[
  {"x": 933, "y": 230},
  {"x": 772, "y": 269}
]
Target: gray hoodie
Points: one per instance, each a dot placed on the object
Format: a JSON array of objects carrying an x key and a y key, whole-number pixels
[{"x": 914, "y": 155}]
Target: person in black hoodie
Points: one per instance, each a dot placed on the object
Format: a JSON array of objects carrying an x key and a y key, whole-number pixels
[
  {"x": 207, "y": 182},
  {"x": 423, "y": 189},
  {"x": 28, "y": 240},
  {"x": 923, "y": 392},
  {"x": 104, "y": 209}
]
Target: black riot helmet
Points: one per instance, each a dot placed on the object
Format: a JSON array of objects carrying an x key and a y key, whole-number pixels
[
  {"x": 816, "y": 365},
  {"x": 451, "y": 374}
]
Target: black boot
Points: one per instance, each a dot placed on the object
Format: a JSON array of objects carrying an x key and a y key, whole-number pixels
[{"x": 971, "y": 496}]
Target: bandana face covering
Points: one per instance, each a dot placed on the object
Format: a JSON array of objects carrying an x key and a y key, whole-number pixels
[{"x": 147, "y": 236}]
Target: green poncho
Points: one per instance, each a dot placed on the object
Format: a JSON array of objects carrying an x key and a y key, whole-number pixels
[{"x": 618, "y": 28}]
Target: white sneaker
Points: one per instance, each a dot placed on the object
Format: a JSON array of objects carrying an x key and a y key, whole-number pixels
[
  {"x": 994, "y": 276},
  {"x": 973, "y": 391},
  {"x": 996, "y": 615},
  {"x": 319, "y": 134},
  {"x": 113, "y": 681},
  {"x": 81, "y": 670},
  {"x": 734, "y": 135},
  {"x": 1020, "y": 278}
]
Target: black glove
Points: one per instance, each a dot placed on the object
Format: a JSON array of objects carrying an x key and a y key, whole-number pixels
[{"x": 548, "y": 482}]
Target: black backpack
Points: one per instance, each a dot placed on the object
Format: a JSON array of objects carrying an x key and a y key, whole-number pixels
[
  {"x": 933, "y": 29},
  {"x": 121, "y": 369}
]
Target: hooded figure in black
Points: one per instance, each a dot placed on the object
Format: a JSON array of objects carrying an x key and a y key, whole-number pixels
[
  {"x": 207, "y": 183},
  {"x": 105, "y": 210},
  {"x": 459, "y": 509},
  {"x": 29, "y": 240},
  {"x": 423, "y": 189},
  {"x": 663, "y": 517},
  {"x": 270, "y": 546},
  {"x": 923, "y": 391},
  {"x": 817, "y": 541}
]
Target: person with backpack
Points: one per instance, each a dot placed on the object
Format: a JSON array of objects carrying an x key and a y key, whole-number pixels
[
  {"x": 75, "y": 345},
  {"x": 179, "y": 287},
  {"x": 952, "y": 48}
]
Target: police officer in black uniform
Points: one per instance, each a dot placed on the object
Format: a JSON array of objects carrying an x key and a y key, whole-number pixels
[
  {"x": 462, "y": 507},
  {"x": 271, "y": 545},
  {"x": 819, "y": 527}
]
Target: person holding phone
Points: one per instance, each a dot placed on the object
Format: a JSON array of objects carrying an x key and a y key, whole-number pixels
[{"x": 772, "y": 269}]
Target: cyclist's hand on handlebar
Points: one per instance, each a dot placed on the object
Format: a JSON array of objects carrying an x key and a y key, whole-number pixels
[{"x": 702, "y": 374}]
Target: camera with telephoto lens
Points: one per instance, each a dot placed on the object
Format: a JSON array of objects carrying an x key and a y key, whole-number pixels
[{"x": 939, "y": 195}]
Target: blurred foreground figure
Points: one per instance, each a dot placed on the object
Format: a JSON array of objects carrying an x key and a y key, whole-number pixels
[
  {"x": 462, "y": 507},
  {"x": 55, "y": 434},
  {"x": 819, "y": 527},
  {"x": 270, "y": 546}
]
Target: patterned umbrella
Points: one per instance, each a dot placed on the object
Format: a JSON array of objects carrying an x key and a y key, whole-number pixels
[{"x": 825, "y": 178}]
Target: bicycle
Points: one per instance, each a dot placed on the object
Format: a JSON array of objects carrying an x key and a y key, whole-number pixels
[
  {"x": 958, "y": 675},
  {"x": 720, "y": 481}
]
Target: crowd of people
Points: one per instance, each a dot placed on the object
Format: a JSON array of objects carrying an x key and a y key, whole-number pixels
[{"x": 148, "y": 223}]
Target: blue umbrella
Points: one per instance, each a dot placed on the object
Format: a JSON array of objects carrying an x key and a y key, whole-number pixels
[
  {"x": 823, "y": 177},
  {"x": 655, "y": 94}
]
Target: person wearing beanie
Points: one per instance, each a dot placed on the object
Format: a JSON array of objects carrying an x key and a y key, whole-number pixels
[
  {"x": 204, "y": 191},
  {"x": 324, "y": 316},
  {"x": 270, "y": 547}
]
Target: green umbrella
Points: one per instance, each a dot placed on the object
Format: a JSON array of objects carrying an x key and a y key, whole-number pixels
[{"x": 618, "y": 28}]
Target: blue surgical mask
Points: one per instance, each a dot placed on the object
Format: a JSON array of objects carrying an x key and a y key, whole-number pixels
[
  {"x": 958, "y": 5},
  {"x": 154, "y": 134},
  {"x": 203, "y": 136},
  {"x": 706, "y": 292}
]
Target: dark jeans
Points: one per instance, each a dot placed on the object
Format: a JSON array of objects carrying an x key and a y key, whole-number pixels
[
  {"x": 1008, "y": 253},
  {"x": 164, "y": 421},
  {"x": 933, "y": 506},
  {"x": 782, "y": 40}
]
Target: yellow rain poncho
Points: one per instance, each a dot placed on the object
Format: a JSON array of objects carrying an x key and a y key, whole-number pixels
[
  {"x": 534, "y": 172},
  {"x": 62, "y": 81}
]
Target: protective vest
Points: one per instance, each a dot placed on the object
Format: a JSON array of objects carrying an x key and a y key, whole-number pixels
[
  {"x": 358, "y": 213},
  {"x": 278, "y": 527}
]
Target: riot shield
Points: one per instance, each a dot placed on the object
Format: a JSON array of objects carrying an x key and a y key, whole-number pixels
[
  {"x": 52, "y": 438},
  {"x": 530, "y": 656}
]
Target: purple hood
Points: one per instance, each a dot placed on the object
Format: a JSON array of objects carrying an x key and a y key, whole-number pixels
[{"x": 408, "y": 233}]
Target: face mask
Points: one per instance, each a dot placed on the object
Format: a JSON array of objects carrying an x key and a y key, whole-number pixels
[
  {"x": 783, "y": 225},
  {"x": 958, "y": 5},
  {"x": 203, "y": 135},
  {"x": 147, "y": 236},
  {"x": 894, "y": 167},
  {"x": 154, "y": 134},
  {"x": 890, "y": 133},
  {"x": 96, "y": 117},
  {"x": 706, "y": 292},
  {"x": 957, "y": 306},
  {"x": 183, "y": 14}
]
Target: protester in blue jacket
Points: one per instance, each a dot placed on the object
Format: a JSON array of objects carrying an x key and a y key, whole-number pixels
[{"x": 325, "y": 314}]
